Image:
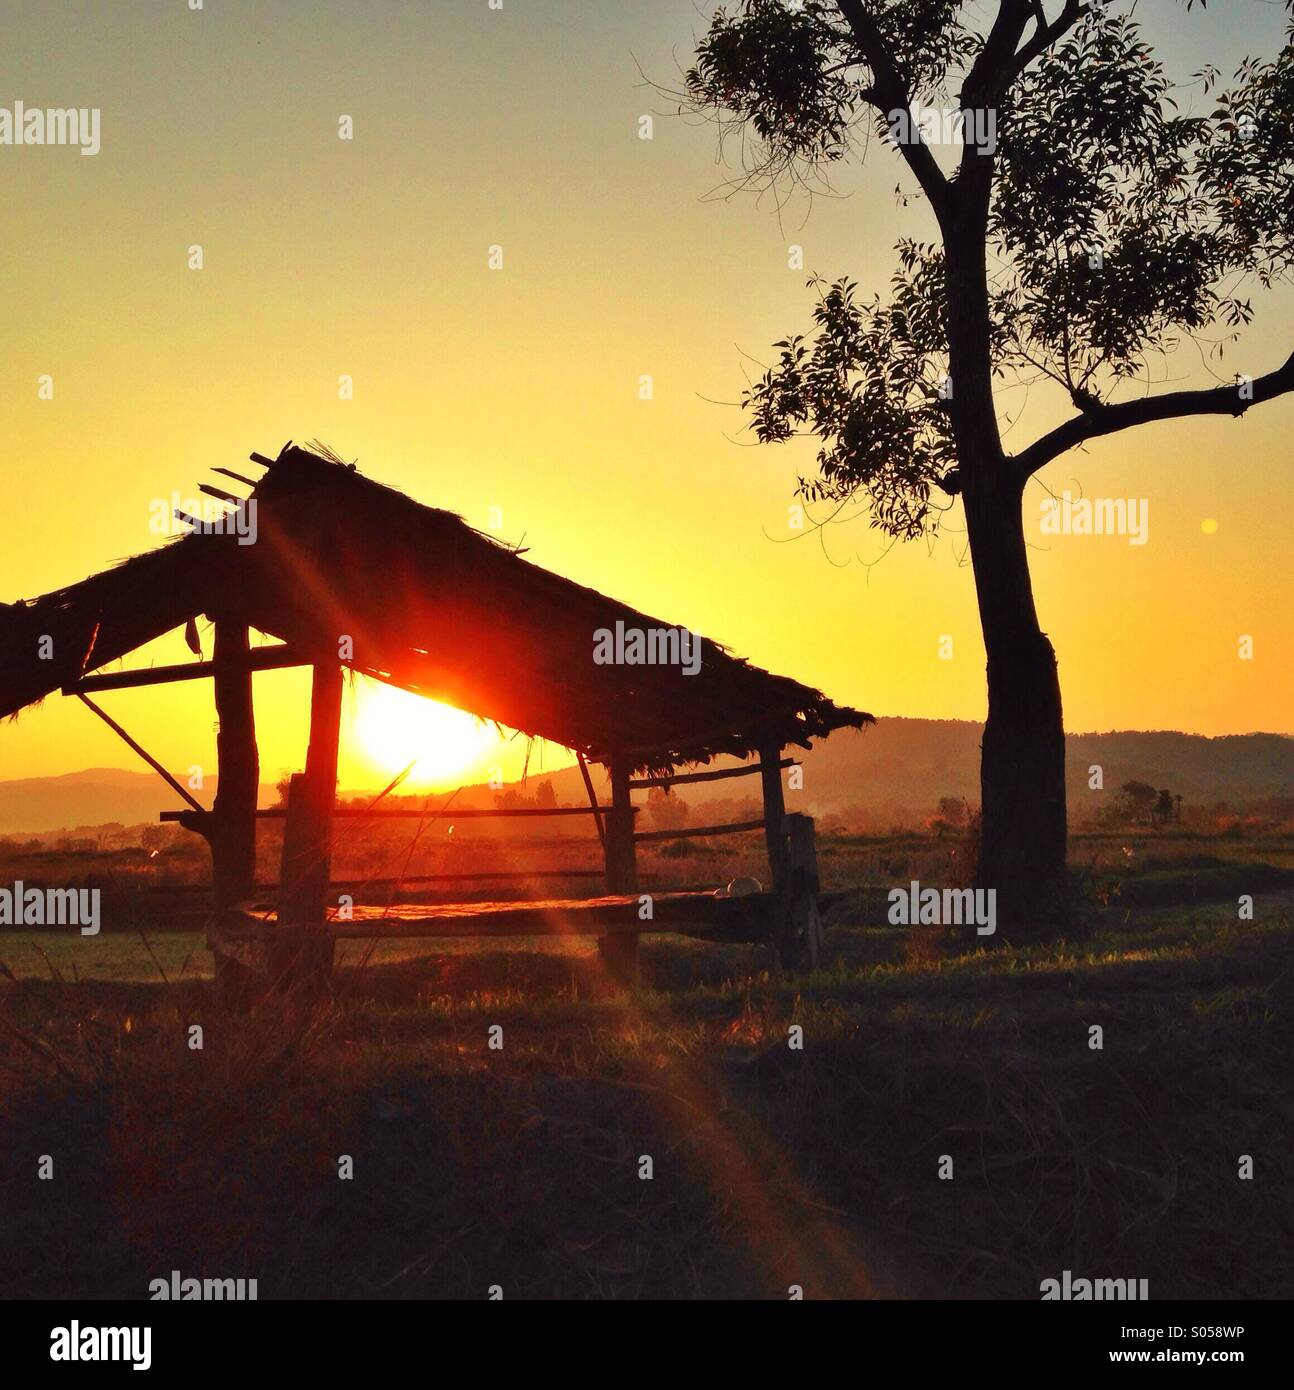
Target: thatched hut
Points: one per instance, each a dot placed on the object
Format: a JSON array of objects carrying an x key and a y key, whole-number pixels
[{"x": 346, "y": 572}]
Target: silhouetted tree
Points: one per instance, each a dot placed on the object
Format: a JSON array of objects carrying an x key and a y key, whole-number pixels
[
  {"x": 1113, "y": 223},
  {"x": 1134, "y": 805},
  {"x": 668, "y": 811},
  {"x": 154, "y": 838}
]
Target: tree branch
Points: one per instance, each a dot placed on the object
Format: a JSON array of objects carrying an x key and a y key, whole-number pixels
[
  {"x": 994, "y": 67},
  {"x": 889, "y": 94},
  {"x": 1046, "y": 34},
  {"x": 999, "y": 62},
  {"x": 1110, "y": 419}
]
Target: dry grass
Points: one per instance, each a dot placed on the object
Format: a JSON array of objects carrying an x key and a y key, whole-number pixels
[{"x": 772, "y": 1167}]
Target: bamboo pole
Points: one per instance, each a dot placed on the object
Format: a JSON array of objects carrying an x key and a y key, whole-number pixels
[
  {"x": 619, "y": 953},
  {"x": 147, "y": 756}
]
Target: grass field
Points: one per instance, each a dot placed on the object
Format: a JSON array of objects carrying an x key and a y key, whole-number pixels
[{"x": 771, "y": 1166}]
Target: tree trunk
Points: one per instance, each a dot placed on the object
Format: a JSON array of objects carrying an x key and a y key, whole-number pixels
[
  {"x": 1022, "y": 767},
  {"x": 1022, "y": 762}
]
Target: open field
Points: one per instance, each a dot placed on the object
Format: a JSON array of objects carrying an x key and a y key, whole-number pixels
[
  {"x": 771, "y": 1166},
  {"x": 1115, "y": 869}
]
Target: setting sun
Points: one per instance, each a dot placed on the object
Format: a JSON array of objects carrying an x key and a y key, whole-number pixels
[{"x": 393, "y": 727}]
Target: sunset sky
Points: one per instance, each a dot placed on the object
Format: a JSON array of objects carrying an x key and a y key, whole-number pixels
[{"x": 518, "y": 388}]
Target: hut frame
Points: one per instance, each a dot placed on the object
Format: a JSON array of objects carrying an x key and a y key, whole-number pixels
[{"x": 314, "y": 575}]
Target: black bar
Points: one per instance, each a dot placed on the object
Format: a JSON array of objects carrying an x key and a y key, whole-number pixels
[{"x": 223, "y": 1340}]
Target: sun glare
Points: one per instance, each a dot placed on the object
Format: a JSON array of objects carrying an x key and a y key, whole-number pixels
[{"x": 394, "y": 727}]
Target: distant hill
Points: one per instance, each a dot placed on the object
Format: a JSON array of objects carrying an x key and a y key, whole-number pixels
[
  {"x": 97, "y": 796},
  {"x": 894, "y": 773}
]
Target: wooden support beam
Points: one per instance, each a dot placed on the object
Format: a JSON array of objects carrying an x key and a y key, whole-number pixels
[
  {"x": 304, "y": 952},
  {"x": 231, "y": 827},
  {"x": 300, "y": 903},
  {"x": 593, "y": 800},
  {"x": 525, "y": 922},
  {"x": 325, "y": 731},
  {"x": 671, "y": 779},
  {"x": 320, "y": 789},
  {"x": 700, "y": 913},
  {"x": 479, "y": 876},
  {"x": 686, "y": 833},
  {"x": 622, "y": 869},
  {"x": 770, "y": 765},
  {"x": 619, "y": 953},
  {"x": 271, "y": 658},
  {"x": 399, "y": 813},
  {"x": 799, "y": 916},
  {"x": 233, "y": 844},
  {"x": 237, "y": 477},
  {"x": 147, "y": 757}
]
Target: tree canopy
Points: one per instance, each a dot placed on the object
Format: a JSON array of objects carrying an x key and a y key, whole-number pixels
[{"x": 1116, "y": 220}]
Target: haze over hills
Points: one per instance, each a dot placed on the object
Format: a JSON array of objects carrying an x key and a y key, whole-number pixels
[
  {"x": 894, "y": 773},
  {"x": 96, "y": 796}
]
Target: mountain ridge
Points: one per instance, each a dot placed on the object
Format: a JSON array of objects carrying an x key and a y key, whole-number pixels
[{"x": 892, "y": 773}]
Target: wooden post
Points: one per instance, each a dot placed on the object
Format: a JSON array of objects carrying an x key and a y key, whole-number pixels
[
  {"x": 801, "y": 922},
  {"x": 300, "y": 953},
  {"x": 593, "y": 801},
  {"x": 770, "y": 776},
  {"x": 619, "y": 952},
  {"x": 305, "y": 954},
  {"x": 232, "y": 825},
  {"x": 233, "y": 843},
  {"x": 321, "y": 769},
  {"x": 297, "y": 877}
]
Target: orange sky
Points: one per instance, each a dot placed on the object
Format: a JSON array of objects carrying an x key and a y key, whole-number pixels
[{"x": 518, "y": 389}]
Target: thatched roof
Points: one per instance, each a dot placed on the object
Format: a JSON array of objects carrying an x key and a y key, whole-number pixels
[{"x": 429, "y": 604}]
